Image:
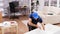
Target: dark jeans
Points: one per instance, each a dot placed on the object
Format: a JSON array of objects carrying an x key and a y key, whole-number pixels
[{"x": 31, "y": 27}]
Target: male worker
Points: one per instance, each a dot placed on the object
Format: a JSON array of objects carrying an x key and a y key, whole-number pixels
[{"x": 34, "y": 19}]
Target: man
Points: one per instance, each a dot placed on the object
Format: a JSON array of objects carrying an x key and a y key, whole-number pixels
[{"x": 34, "y": 19}]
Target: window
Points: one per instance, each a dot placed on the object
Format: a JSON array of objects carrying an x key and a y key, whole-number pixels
[
  {"x": 54, "y": 3},
  {"x": 46, "y": 3}
]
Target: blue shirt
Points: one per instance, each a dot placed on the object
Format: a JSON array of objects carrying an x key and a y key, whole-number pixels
[{"x": 34, "y": 21}]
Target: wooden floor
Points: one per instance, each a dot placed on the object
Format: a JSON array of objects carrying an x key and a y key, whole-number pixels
[{"x": 22, "y": 27}]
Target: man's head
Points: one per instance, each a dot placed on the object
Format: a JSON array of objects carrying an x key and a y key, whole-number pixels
[{"x": 35, "y": 15}]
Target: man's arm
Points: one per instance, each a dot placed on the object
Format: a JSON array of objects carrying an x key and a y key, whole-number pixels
[
  {"x": 41, "y": 26},
  {"x": 30, "y": 23}
]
